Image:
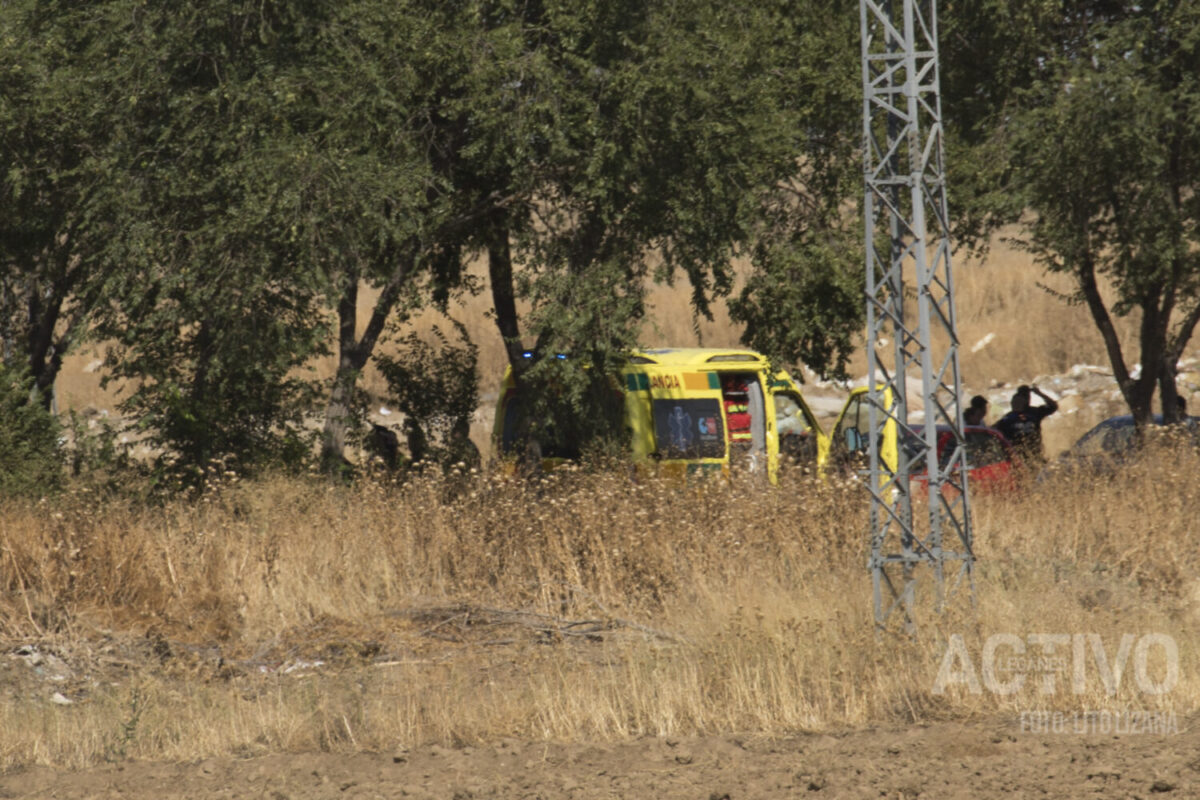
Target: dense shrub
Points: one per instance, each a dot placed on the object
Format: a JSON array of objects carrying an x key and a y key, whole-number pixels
[{"x": 30, "y": 452}]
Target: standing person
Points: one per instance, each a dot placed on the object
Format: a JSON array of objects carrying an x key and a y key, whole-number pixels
[
  {"x": 1181, "y": 415},
  {"x": 1023, "y": 425},
  {"x": 977, "y": 412}
]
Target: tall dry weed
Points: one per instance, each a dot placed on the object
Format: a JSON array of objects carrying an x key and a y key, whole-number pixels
[{"x": 289, "y": 614}]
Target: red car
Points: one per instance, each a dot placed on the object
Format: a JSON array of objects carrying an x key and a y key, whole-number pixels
[{"x": 992, "y": 463}]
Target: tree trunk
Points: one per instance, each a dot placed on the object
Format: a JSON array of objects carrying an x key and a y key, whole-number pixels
[
  {"x": 1138, "y": 392},
  {"x": 500, "y": 277},
  {"x": 198, "y": 444},
  {"x": 353, "y": 353},
  {"x": 1168, "y": 392},
  {"x": 1175, "y": 352},
  {"x": 338, "y": 411},
  {"x": 1153, "y": 336},
  {"x": 45, "y": 344},
  {"x": 45, "y": 353}
]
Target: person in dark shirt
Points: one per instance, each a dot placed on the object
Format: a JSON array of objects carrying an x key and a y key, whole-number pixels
[
  {"x": 977, "y": 412},
  {"x": 1023, "y": 425}
]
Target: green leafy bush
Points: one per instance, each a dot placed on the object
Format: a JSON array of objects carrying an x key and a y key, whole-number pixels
[
  {"x": 435, "y": 386},
  {"x": 30, "y": 451}
]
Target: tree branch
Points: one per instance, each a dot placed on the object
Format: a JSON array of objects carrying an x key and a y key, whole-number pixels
[
  {"x": 383, "y": 308},
  {"x": 1086, "y": 275},
  {"x": 1184, "y": 334}
]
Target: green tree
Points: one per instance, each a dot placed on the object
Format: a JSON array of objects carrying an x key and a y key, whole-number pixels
[
  {"x": 251, "y": 165},
  {"x": 375, "y": 213},
  {"x": 30, "y": 458},
  {"x": 1096, "y": 137},
  {"x": 271, "y": 161},
  {"x": 434, "y": 384},
  {"x": 213, "y": 309},
  {"x": 53, "y": 187},
  {"x": 802, "y": 301},
  {"x": 673, "y": 134}
]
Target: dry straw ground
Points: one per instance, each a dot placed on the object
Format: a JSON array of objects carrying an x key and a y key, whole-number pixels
[{"x": 288, "y": 615}]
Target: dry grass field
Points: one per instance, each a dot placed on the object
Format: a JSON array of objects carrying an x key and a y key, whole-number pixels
[{"x": 286, "y": 615}]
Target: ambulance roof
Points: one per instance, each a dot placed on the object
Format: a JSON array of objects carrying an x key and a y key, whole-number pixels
[{"x": 697, "y": 356}]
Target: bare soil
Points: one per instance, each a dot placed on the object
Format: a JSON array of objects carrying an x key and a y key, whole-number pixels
[{"x": 978, "y": 759}]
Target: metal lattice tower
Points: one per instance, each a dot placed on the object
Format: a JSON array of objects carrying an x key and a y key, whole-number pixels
[{"x": 907, "y": 232}]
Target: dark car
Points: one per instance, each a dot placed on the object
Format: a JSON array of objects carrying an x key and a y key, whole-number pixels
[
  {"x": 1111, "y": 443},
  {"x": 993, "y": 466}
]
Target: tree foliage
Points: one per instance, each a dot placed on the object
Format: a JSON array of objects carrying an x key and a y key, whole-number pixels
[
  {"x": 802, "y": 301},
  {"x": 56, "y": 186},
  {"x": 213, "y": 307},
  {"x": 30, "y": 458},
  {"x": 206, "y": 188},
  {"x": 640, "y": 141},
  {"x": 1097, "y": 138},
  {"x": 434, "y": 384}
]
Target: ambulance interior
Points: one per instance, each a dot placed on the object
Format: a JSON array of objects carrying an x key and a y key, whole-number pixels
[{"x": 745, "y": 420}]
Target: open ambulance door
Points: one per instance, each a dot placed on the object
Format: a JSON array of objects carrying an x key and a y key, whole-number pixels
[
  {"x": 800, "y": 439},
  {"x": 849, "y": 449}
]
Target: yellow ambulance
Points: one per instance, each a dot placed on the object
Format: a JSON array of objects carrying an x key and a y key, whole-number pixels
[{"x": 699, "y": 411}]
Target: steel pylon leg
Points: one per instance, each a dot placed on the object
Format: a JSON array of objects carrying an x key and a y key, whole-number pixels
[{"x": 907, "y": 236}]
